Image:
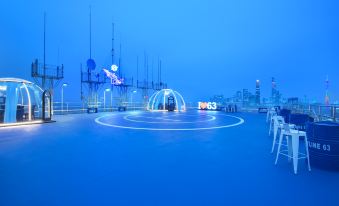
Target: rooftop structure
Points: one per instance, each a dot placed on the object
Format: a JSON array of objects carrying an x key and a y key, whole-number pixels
[
  {"x": 21, "y": 101},
  {"x": 44, "y": 75},
  {"x": 166, "y": 100}
]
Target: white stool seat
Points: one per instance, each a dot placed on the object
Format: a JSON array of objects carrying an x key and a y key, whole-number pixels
[
  {"x": 278, "y": 124},
  {"x": 293, "y": 146}
]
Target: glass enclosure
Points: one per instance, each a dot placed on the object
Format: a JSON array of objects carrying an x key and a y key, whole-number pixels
[
  {"x": 20, "y": 101},
  {"x": 166, "y": 100}
]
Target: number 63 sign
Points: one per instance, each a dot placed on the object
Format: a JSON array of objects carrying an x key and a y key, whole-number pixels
[{"x": 207, "y": 105}]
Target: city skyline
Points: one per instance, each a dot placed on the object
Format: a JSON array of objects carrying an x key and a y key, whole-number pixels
[{"x": 221, "y": 51}]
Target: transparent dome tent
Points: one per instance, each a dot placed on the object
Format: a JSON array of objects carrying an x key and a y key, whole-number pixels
[
  {"x": 166, "y": 100},
  {"x": 22, "y": 101}
]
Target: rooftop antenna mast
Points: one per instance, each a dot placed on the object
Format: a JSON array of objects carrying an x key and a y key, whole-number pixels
[
  {"x": 122, "y": 89},
  {"x": 50, "y": 75},
  {"x": 90, "y": 32},
  {"x": 91, "y": 80},
  {"x": 112, "y": 53},
  {"x": 152, "y": 69},
  {"x": 160, "y": 85},
  {"x": 113, "y": 44},
  {"x": 137, "y": 69},
  {"x": 160, "y": 72},
  {"x": 120, "y": 59},
  {"x": 44, "y": 67},
  {"x": 144, "y": 85}
]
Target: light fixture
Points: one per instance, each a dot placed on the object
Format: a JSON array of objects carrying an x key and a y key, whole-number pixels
[{"x": 114, "y": 68}]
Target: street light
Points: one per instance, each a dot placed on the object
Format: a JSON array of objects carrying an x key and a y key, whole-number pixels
[
  {"x": 62, "y": 96},
  {"x": 106, "y": 90},
  {"x": 133, "y": 92}
]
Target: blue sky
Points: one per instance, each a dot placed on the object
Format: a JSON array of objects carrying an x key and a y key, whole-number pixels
[{"x": 207, "y": 47}]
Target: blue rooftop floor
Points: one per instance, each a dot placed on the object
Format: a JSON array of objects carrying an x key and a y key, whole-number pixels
[{"x": 203, "y": 158}]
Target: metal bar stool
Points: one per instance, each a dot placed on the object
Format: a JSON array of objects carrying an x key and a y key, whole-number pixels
[
  {"x": 293, "y": 146},
  {"x": 278, "y": 124},
  {"x": 272, "y": 115}
]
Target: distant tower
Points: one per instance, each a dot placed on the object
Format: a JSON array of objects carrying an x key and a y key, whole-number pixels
[
  {"x": 257, "y": 92},
  {"x": 274, "y": 90},
  {"x": 275, "y": 94},
  {"x": 327, "y": 97}
]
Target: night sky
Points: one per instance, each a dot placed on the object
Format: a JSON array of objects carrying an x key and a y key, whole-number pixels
[{"x": 207, "y": 46}]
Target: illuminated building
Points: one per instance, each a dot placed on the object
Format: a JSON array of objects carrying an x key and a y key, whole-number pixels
[
  {"x": 275, "y": 94},
  {"x": 257, "y": 92},
  {"x": 238, "y": 96},
  {"x": 245, "y": 97}
]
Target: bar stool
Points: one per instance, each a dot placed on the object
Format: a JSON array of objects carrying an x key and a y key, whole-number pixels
[
  {"x": 293, "y": 146},
  {"x": 272, "y": 115},
  {"x": 278, "y": 124}
]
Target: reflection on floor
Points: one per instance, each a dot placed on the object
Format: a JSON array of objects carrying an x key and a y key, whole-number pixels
[{"x": 78, "y": 161}]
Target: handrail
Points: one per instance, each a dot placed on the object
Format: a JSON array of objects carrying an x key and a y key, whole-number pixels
[{"x": 317, "y": 111}]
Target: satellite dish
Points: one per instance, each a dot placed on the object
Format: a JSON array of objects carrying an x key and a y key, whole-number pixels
[{"x": 91, "y": 64}]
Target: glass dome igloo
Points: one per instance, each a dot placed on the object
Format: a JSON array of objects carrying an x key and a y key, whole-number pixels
[
  {"x": 20, "y": 101},
  {"x": 166, "y": 100}
]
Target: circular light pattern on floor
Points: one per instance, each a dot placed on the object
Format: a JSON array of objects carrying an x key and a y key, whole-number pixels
[
  {"x": 168, "y": 121},
  {"x": 161, "y": 122}
]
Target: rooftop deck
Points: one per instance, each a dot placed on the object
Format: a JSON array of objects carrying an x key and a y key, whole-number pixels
[{"x": 139, "y": 158}]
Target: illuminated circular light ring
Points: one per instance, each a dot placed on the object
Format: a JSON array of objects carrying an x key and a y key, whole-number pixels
[
  {"x": 155, "y": 97},
  {"x": 150, "y": 99},
  {"x": 184, "y": 105},
  {"x": 241, "y": 121},
  {"x": 176, "y": 101},
  {"x": 154, "y": 100},
  {"x": 166, "y": 92},
  {"x": 132, "y": 120}
]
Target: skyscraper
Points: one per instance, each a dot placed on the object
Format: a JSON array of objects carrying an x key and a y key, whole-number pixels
[
  {"x": 275, "y": 94},
  {"x": 257, "y": 92},
  {"x": 245, "y": 97},
  {"x": 274, "y": 89}
]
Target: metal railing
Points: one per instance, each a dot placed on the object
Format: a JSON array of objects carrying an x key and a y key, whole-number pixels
[
  {"x": 317, "y": 111},
  {"x": 78, "y": 107},
  {"x": 324, "y": 112}
]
